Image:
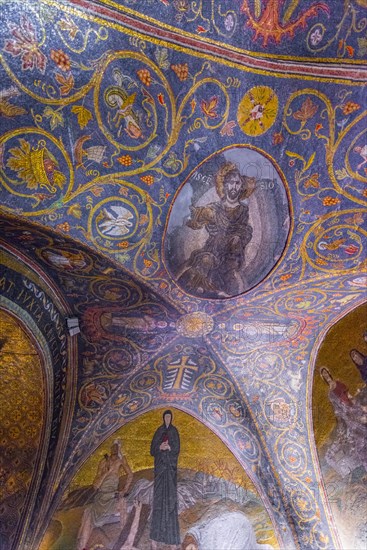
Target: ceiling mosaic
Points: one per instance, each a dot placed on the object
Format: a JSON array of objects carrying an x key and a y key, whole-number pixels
[
  {"x": 188, "y": 181},
  {"x": 22, "y": 382}
]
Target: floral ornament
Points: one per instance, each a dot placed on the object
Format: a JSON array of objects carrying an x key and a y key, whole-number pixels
[
  {"x": 316, "y": 37},
  {"x": 35, "y": 166},
  {"x": 229, "y": 22},
  {"x": 257, "y": 110},
  {"x": 24, "y": 44},
  {"x": 181, "y": 5}
]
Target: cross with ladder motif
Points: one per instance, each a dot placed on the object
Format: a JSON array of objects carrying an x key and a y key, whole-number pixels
[{"x": 181, "y": 374}]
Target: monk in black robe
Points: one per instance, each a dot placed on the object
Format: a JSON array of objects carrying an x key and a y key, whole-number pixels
[{"x": 165, "y": 448}]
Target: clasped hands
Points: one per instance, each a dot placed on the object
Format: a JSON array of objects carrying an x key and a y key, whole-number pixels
[{"x": 164, "y": 446}]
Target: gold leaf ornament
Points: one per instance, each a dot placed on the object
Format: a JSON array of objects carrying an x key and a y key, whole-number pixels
[
  {"x": 56, "y": 118},
  {"x": 83, "y": 115},
  {"x": 75, "y": 210},
  {"x": 35, "y": 166}
]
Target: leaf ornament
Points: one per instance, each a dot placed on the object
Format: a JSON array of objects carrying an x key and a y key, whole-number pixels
[
  {"x": 9, "y": 110},
  {"x": 69, "y": 26},
  {"x": 83, "y": 115},
  {"x": 308, "y": 110},
  {"x": 313, "y": 181},
  {"x": 208, "y": 107},
  {"x": 24, "y": 44},
  {"x": 66, "y": 83},
  {"x": 161, "y": 55},
  {"x": 56, "y": 118}
]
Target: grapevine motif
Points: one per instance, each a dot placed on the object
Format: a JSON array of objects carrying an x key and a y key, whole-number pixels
[{"x": 128, "y": 113}]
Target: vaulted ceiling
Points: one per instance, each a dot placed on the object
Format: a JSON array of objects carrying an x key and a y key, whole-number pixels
[{"x": 116, "y": 118}]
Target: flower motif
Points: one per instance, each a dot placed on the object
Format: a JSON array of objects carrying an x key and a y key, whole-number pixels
[
  {"x": 69, "y": 26},
  {"x": 257, "y": 110},
  {"x": 181, "y": 5},
  {"x": 25, "y": 45},
  {"x": 229, "y": 22},
  {"x": 161, "y": 99},
  {"x": 316, "y": 37}
]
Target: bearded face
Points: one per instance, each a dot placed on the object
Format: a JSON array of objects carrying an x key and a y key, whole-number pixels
[{"x": 233, "y": 186}]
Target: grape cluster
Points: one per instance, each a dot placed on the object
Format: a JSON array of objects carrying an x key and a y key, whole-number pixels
[
  {"x": 149, "y": 180},
  {"x": 181, "y": 70},
  {"x": 145, "y": 76},
  {"x": 330, "y": 201},
  {"x": 350, "y": 107},
  {"x": 61, "y": 59},
  {"x": 125, "y": 160}
]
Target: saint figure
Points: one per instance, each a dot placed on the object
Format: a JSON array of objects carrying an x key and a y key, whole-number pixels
[
  {"x": 360, "y": 362},
  {"x": 347, "y": 450},
  {"x": 109, "y": 501},
  {"x": 216, "y": 269},
  {"x": 165, "y": 448}
]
